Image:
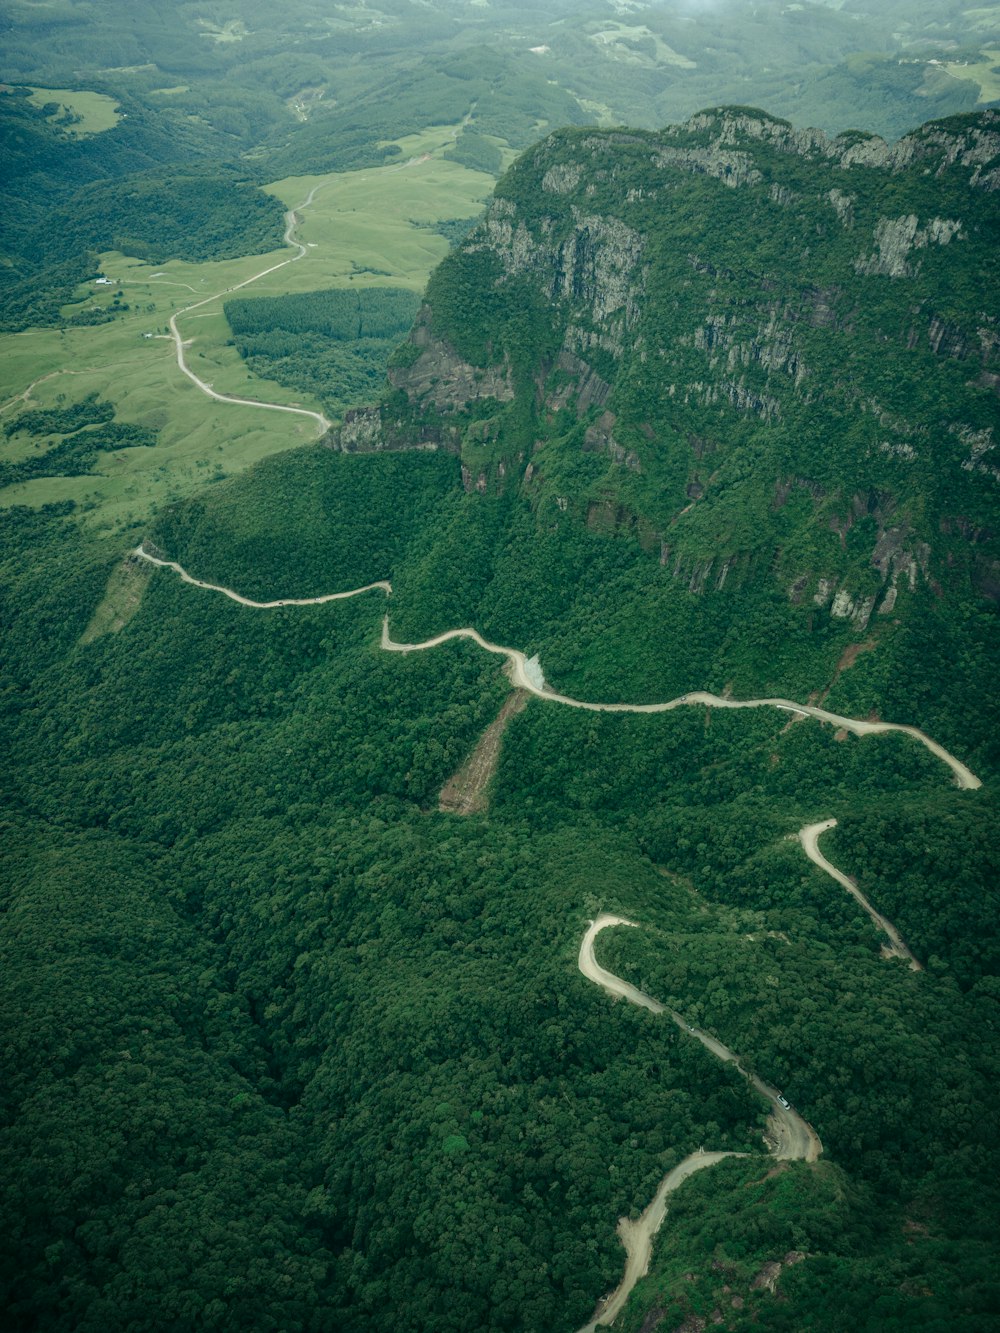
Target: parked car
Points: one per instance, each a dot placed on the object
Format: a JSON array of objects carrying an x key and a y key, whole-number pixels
[{"x": 783, "y": 1101}]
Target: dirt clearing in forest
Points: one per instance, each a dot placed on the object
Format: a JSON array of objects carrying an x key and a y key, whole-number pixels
[{"x": 465, "y": 791}]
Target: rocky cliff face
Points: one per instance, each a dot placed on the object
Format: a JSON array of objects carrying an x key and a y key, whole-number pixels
[{"x": 739, "y": 341}]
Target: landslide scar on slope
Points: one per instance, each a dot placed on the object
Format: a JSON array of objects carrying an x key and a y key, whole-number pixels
[
  {"x": 122, "y": 598},
  {"x": 465, "y": 791}
]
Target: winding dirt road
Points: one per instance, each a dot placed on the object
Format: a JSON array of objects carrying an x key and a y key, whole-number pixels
[
  {"x": 637, "y": 1237},
  {"x": 525, "y": 675},
  {"x": 809, "y": 838},
  {"x": 789, "y": 1136},
  {"x": 324, "y": 423},
  {"x": 141, "y": 552},
  {"x": 793, "y": 1138}
]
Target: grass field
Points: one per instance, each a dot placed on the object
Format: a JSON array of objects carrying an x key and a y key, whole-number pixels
[
  {"x": 362, "y": 228},
  {"x": 625, "y": 43},
  {"x": 983, "y": 72},
  {"x": 984, "y": 18},
  {"x": 97, "y": 112}
]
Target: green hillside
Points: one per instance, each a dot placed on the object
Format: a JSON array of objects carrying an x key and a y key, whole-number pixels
[
  {"x": 292, "y": 1045},
  {"x": 207, "y": 93},
  {"x": 296, "y": 1029},
  {"x": 728, "y": 395}
]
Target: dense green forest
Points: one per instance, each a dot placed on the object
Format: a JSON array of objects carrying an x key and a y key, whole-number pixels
[
  {"x": 287, "y": 1044},
  {"x": 157, "y": 219},
  {"x": 354, "y": 1026}
]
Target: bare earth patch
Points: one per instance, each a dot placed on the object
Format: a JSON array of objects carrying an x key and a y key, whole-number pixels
[
  {"x": 465, "y": 791},
  {"x": 851, "y": 654}
]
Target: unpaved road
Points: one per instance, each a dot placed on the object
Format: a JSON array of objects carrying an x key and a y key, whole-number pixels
[
  {"x": 524, "y": 676},
  {"x": 637, "y": 1237},
  {"x": 789, "y": 1136},
  {"x": 25, "y": 395},
  {"x": 322, "y": 421},
  {"x": 809, "y": 838},
  {"x": 143, "y": 554},
  {"x": 794, "y": 1139}
]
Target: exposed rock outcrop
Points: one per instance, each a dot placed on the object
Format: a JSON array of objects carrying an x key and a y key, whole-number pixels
[
  {"x": 897, "y": 238},
  {"x": 439, "y": 377},
  {"x": 578, "y": 383},
  {"x": 361, "y": 431},
  {"x": 816, "y": 334},
  {"x": 600, "y": 439},
  {"x": 974, "y": 146},
  {"x": 732, "y": 168}
]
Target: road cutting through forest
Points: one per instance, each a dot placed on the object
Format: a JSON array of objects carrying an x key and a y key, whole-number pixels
[
  {"x": 809, "y": 838},
  {"x": 793, "y": 1138},
  {"x": 141, "y": 553},
  {"x": 790, "y": 1137},
  {"x": 525, "y": 675}
]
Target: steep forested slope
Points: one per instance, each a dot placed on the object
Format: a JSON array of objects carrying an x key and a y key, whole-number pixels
[
  {"x": 291, "y": 1047},
  {"x": 767, "y": 363}
]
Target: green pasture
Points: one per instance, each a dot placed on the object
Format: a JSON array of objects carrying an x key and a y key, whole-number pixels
[
  {"x": 983, "y": 72},
  {"x": 362, "y": 228},
  {"x": 199, "y": 440},
  {"x": 374, "y": 226},
  {"x": 233, "y": 31},
  {"x": 97, "y": 111},
  {"x": 616, "y": 39},
  {"x": 983, "y": 19}
]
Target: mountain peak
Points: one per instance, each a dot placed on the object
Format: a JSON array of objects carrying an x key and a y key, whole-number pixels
[{"x": 696, "y": 333}]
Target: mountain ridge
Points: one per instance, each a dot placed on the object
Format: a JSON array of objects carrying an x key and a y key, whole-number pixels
[
  {"x": 760, "y": 354},
  {"x": 290, "y": 1043}
]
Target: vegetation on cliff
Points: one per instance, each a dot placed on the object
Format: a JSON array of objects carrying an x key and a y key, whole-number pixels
[
  {"x": 739, "y": 366},
  {"x": 288, "y": 1046}
]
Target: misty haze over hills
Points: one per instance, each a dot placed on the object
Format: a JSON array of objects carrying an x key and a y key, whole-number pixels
[{"x": 499, "y": 570}]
